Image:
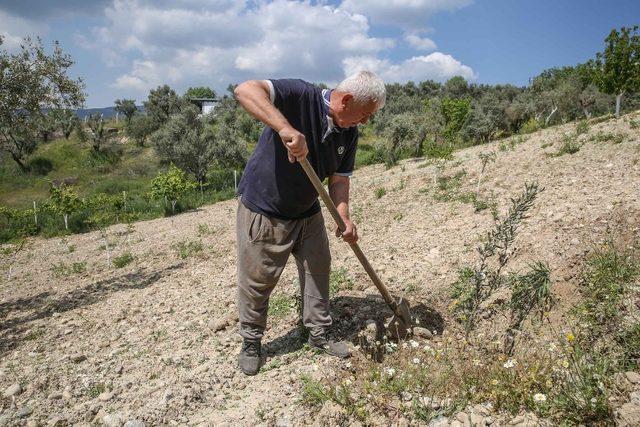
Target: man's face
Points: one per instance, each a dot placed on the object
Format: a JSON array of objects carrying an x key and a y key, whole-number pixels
[{"x": 349, "y": 113}]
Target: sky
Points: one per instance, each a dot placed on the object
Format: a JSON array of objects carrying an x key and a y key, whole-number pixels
[{"x": 124, "y": 48}]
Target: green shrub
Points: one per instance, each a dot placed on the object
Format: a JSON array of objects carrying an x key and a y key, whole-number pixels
[
  {"x": 379, "y": 192},
  {"x": 123, "y": 259},
  {"x": 532, "y": 125},
  {"x": 582, "y": 127},
  {"x": 187, "y": 248}
]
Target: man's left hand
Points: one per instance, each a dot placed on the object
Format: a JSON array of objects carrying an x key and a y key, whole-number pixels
[{"x": 350, "y": 235}]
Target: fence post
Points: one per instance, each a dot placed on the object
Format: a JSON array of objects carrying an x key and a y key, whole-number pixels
[
  {"x": 35, "y": 213},
  {"x": 235, "y": 180},
  {"x": 124, "y": 196}
]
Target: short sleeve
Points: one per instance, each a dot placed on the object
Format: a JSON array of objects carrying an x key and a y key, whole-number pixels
[
  {"x": 288, "y": 91},
  {"x": 349, "y": 160}
]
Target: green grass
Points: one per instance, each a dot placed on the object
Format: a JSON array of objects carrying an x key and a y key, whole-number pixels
[
  {"x": 188, "y": 248},
  {"x": 131, "y": 171},
  {"x": 379, "y": 192},
  {"x": 280, "y": 305},
  {"x": 123, "y": 259},
  {"x": 338, "y": 280}
]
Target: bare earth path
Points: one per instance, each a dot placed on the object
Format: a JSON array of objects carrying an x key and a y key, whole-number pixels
[{"x": 155, "y": 341}]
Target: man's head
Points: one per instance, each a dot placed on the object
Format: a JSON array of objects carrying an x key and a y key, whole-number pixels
[{"x": 357, "y": 98}]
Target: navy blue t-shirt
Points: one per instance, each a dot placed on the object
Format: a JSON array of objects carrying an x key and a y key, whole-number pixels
[{"x": 270, "y": 184}]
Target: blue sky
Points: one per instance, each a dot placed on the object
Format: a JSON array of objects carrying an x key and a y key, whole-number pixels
[{"x": 122, "y": 48}]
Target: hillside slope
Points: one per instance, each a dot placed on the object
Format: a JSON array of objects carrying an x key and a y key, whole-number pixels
[{"x": 156, "y": 339}]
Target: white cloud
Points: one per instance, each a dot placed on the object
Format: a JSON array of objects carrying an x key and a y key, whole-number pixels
[
  {"x": 195, "y": 42},
  {"x": 435, "y": 66},
  {"x": 13, "y": 29},
  {"x": 406, "y": 14},
  {"x": 420, "y": 43}
]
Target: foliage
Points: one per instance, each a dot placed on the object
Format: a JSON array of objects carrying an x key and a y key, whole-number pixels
[
  {"x": 97, "y": 133},
  {"x": 32, "y": 81},
  {"x": 194, "y": 143},
  {"x": 123, "y": 259},
  {"x": 478, "y": 284},
  {"x": 188, "y": 248},
  {"x": 618, "y": 66},
  {"x": 161, "y": 103},
  {"x": 199, "y": 92},
  {"x": 65, "y": 201},
  {"x": 400, "y": 132},
  {"x": 455, "y": 113},
  {"x": 171, "y": 186},
  {"x": 139, "y": 128},
  {"x": 126, "y": 107}
]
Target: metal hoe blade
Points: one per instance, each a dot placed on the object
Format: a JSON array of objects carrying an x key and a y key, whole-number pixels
[{"x": 400, "y": 324}]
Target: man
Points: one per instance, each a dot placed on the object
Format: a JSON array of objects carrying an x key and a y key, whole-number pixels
[{"x": 278, "y": 209}]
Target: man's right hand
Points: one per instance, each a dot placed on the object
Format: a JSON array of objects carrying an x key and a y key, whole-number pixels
[{"x": 295, "y": 142}]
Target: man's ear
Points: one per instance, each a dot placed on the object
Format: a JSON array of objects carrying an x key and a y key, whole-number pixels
[{"x": 346, "y": 98}]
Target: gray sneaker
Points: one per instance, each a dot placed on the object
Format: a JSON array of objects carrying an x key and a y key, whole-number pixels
[
  {"x": 333, "y": 348},
  {"x": 250, "y": 357}
]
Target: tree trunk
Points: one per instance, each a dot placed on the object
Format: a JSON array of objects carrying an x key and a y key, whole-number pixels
[
  {"x": 618, "y": 98},
  {"x": 20, "y": 163},
  {"x": 422, "y": 134},
  {"x": 546, "y": 121}
]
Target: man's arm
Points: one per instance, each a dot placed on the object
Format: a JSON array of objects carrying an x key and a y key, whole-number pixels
[
  {"x": 254, "y": 97},
  {"x": 339, "y": 192}
]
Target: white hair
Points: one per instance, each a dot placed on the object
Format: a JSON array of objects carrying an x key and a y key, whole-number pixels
[{"x": 365, "y": 86}]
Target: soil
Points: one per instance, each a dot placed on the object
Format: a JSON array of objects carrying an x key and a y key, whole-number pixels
[{"x": 156, "y": 340}]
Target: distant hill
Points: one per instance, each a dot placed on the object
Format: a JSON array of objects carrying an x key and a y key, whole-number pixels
[{"x": 107, "y": 112}]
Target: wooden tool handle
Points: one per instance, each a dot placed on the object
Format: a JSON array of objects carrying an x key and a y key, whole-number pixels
[{"x": 317, "y": 184}]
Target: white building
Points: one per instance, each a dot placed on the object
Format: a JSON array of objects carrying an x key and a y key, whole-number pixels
[{"x": 206, "y": 105}]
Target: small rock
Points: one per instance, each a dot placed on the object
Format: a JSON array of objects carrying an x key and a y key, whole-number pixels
[
  {"x": 56, "y": 395},
  {"x": 633, "y": 377},
  {"x": 168, "y": 395},
  {"x": 456, "y": 423},
  {"x": 25, "y": 411},
  {"x": 66, "y": 394},
  {"x": 32, "y": 423},
  {"x": 12, "y": 390},
  {"x": 635, "y": 397},
  {"x": 77, "y": 357},
  {"x": 220, "y": 325},
  {"x": 57, "y": 420},
  {"x": 517, "y": 420},
  {"x": 119, "y": 369},
  {"x": 134, "y": 423},
  {"x": 439, "y": 421},
  {"x": 477, "y": 420},
  {"x": 105, "y": 396},
  {"x": 628, "y": 415},
  {"x": 112, "y": 420},
  {"x": 406, "y": 396},
  {"x": 422, "y": 332}
]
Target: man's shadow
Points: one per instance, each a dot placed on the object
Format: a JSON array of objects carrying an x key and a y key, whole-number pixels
[{"x": 349, "y": 316}]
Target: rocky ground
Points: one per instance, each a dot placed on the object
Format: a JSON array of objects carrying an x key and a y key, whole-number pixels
[{"x": 154, "y": 342}]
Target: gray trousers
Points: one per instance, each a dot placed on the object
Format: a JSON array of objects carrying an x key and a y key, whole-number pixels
[{"x": 264, "y": 244}]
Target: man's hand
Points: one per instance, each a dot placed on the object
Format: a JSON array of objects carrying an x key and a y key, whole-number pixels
[
  {"x": 350, "y": 235},
  {"x": 295, "y": 142}
]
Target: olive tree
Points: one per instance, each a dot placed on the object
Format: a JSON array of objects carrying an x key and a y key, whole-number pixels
[
  {"x": 31, "y": 81},
  {"x": 171, "y": 185},
  {"x": 618, "y": 66},
  {"x": 127, "y": 107}
]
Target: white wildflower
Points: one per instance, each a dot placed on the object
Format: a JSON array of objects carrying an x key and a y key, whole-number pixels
[
  {"x": 414, "y": 344},
  {"x": 539, "y": 398},
  {"x": 404, "y": 345},
  {"x": 510, "y": 363},
  {"x": 416, "y": 360},
  {"x": 389, "y": 372}
]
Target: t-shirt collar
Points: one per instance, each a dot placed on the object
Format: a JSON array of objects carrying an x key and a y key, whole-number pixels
[{"x": 331, "y": 127}]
